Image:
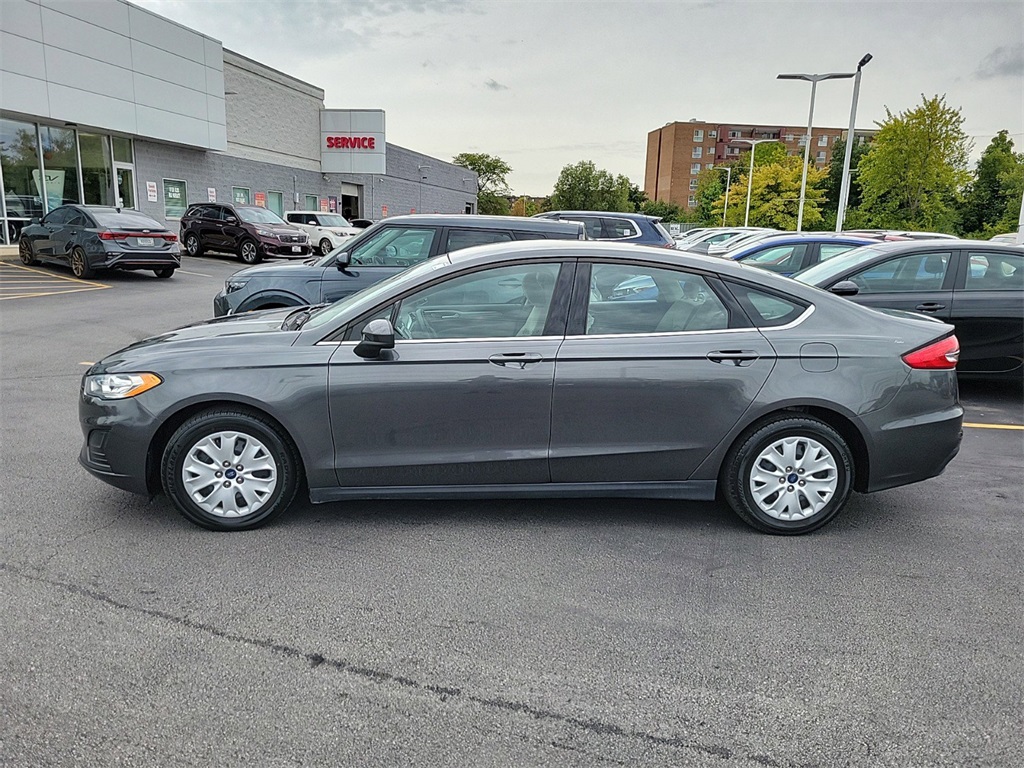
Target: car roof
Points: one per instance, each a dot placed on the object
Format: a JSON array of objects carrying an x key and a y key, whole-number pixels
[
  {"x": 616, "y": 214},
  {"x": 477, "y": 221},
  {"x": 899, "y": 246}
]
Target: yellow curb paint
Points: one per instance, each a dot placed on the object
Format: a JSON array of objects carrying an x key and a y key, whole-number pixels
[{"x": 993, "y": 426}]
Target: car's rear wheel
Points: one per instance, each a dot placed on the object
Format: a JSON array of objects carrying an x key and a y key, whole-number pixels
[
  {"x": 249, "y": 252},
  {"x": 790, "y": 475},
  {"x": 326, "y": 246},
  {"x": 193, "y": 246},
  {"x": 228, "y": 470},
  {"x": 165, "y": 272},
  {"x": 25, "y": 252},
  {"x": 80, "y": 267}
]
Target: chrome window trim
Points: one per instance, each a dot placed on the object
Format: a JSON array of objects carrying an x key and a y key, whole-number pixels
[
  {"x": 659, "y": 334},
  {"x": 793, "y": 324}
]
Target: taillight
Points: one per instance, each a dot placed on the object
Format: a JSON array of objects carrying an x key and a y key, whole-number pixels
[
  {"x": 939, "y": 355},
  {"x": 170, "y": 238},
  {"x": 114, "y": 235}
]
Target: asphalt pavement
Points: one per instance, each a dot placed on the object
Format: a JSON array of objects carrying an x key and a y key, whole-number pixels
[{"x": 486, "y": 633}]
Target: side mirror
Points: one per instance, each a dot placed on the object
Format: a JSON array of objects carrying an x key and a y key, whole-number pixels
[
  {"x": 231, "y": 220},
  {"x": 378, "y": 335},
  {"x": 34, "y": 220},
  {"x": 342, "y": 260},
  {"x": 845, "y": 288}
]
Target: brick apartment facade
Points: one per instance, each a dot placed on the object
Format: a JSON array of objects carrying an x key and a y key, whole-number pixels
[{"x": 679, "y": 152}]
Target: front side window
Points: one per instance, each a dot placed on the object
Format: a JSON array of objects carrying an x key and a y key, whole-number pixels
[
  {"x": 395, "y": 246},
  {"x": 58, "y": 216},
  {"x": 784, "y": 259},
  {"x": 990, "y": 271},
  {"x": 467, "y": 238},
  {"x": 502, "y": 302},
  {"x": 916, "y": 272},
  {"x": 636, "y": 299}
]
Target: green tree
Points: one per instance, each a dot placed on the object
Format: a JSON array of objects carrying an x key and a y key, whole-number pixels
[
  {"x": 775, "y": 196},
  {"x": 638, "y": 198},
  {"x": 584, "y": 187},
  {"x": 913, "y": 175},
  {"x": 986, "y": 199},
  {"x": 524, "y": 206},
  {"x": 669, "y": 212},
  {"x": 491, "y": 181},
  {"x": 834, "y": 179}
]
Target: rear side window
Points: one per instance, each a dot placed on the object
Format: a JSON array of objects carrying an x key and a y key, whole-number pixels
[
  {"x": 467, "y": 238},
  {"x": 989, "y": 271},
  {"x": 766, "y": 310},
  {"x": 619, "y": 228},
  {"x": 828, "y": 251},
  {"x": 784, "y": 259}
]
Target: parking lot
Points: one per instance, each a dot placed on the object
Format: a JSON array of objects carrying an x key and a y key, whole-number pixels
[{"x": 576, "y": 633}]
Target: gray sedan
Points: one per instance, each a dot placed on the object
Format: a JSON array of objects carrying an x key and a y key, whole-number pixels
[{"x": 511, "y": 370}]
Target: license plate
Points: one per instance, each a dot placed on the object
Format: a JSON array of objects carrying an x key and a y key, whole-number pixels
[
  {"x": 296, "y": 249},
  {"x": 144, "y": 240}
]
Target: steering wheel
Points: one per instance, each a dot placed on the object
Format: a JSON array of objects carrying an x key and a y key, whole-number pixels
[{"x": 415, "y": 326}]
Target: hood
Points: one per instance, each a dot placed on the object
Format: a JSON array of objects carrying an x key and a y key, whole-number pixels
[
  {"x": 204, "y": 337},
  {"x": 281, "y": 270}
]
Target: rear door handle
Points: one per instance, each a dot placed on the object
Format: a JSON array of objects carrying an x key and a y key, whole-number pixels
[
  {"x": 517, "y": 359},
  {"x": 735, "y": 356},
  {"x": 930, "y": 306}
]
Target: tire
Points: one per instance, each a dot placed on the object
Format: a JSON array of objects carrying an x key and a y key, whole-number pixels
[
  {"x": 80, "y": 267},
  {"x": 25, "y": 252},
  {"x": 193, "y": 472},
  {"x": 165, "y": 272},
  {"x": 192, "y": 245},
  {"x": 758, "y": 464},
  {"x": 249, "y": 252},
  {"x": 326, "y": 247}
]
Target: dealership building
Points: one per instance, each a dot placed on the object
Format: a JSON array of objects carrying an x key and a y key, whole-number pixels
[{"x": 106, "y": 103}]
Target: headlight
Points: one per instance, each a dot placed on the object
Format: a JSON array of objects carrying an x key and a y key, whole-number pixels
[
  {"x": 265, "y": 233},
  {"x": 231, "y": 285},
  {"x": 117, "y": 386}
]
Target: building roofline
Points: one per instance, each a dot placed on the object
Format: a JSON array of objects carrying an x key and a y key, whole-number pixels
[{"x": 261, "y": 69}]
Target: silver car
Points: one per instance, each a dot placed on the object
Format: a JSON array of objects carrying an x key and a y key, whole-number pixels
[{"x": 511, "y": 370}]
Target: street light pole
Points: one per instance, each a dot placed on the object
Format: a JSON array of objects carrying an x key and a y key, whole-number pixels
[
  {"x": 813, "y": 80},
  {"x": 750, "y": 175},
  {"x": 728, "y": 177},
  {"x": 844, "y": 184}
]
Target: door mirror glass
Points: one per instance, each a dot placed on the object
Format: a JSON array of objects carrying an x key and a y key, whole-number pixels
[
  {"x": 845, "y": 288},
  {"x": 342, "y": 260},
  {"x": 378, "y": 335}
]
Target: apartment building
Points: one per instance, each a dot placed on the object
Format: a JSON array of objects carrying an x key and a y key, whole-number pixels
[{"x": 678, "y": 152}]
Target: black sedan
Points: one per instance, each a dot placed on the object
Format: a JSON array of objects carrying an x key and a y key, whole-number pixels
[
  {"x": 92, "y": 237},
  {"x": 977, "y": 286},
  {"x": 509, "y": 371}
]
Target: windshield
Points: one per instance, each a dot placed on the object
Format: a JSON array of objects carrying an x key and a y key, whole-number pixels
[
  {"x": 367, "y": 296},
  {"x": 259, "y": 216},
  {"x": 332, "y": 220},
  {"x": 824, "y": 271}
]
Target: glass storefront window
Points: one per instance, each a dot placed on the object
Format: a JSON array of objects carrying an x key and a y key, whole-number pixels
[
  {"x": 122, "y": 150},
  {"x": 312, "y": 203},
  {"x": 97, "y": 178},
  {"x": 275, "y": 202},
  {"x": 60, "y": 166},
  {"x": 240, "y": 195},
  {"x": 175, "y": 198},
  {"x": 19, "y": 159}
]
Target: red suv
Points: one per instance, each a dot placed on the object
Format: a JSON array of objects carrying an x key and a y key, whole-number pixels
[{"x": 248, "y": 231}]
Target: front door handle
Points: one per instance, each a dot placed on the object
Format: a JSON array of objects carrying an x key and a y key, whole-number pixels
[
  {"x": 735, "y": 356},
  {"x": 930, "y": 306},
  {"x": 518, "y": 359}
]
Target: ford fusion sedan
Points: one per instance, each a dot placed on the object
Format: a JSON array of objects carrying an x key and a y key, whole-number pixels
[
  {"x": 977, "y": 286},
  {"x": 376, "y": 253},
  {"x": 91, "y": 237},
  {"x": 505, "y": 371}
]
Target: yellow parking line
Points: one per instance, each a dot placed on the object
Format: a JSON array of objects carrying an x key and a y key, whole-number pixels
[
  {"x": 54, "y": 276},
  {"x": 993, "y": 426},
  {"x": 54, "y": 293}
]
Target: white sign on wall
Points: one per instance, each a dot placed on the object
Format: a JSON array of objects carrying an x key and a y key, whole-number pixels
[
  {"x": 352, "y": 141},
  {"x": 211, "y": 194},
  {"x": 151, "y": 191}
]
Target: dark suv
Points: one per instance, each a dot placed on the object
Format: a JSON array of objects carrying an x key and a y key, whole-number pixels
[
  {"x": 637, "y": 228},
  {"x": 384, "y": 249},
  {"x": 248, "y": 231}
]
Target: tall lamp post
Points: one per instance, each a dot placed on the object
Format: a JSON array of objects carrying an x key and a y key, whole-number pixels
[
  {"x": 728, "y": 178},
  {"x": 813, "y": 80},
  {"x": 750, "y": 175},
  {"x": 844, "y": 184}
]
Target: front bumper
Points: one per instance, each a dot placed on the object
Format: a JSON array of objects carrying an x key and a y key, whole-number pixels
[
  {"x": 117, "y": 435},
  {"x": 222, "y": 305},
  {"x": 284, "y": 250}
]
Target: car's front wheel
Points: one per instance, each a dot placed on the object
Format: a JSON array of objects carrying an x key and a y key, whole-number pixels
[
  {"x": 80, "y": 266},
  {"x": 25, "y": 252},
  {"x": 326, "y": 246},
  {"x": 249, "y": 252},
  {"x": 790, "y": 475},
  {"x": 229, "y": 470},
  {"x": 192, "y": 245}
]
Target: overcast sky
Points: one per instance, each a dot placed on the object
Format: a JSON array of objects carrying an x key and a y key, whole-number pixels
[{"x": 548, "y": 83}]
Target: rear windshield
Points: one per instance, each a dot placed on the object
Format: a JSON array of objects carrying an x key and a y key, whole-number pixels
[
  {"x": 259, "y": 216},
  {"x": 125, "y": 220},
  {"x": 664, "y": 232}
]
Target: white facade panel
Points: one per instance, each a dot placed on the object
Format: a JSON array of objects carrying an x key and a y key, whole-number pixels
[
  {"x": 165, "y": 34},
  {"x": 151, "y": 92},
  {"x": 169, "y": 126},
  {"x": 215, "y": 82},
  {"x": 23, "y": 94},
  {"x": 21, "y": 55},
  {"x": 158, "y": 63},
  {"x": 103, "y": 15},
  {"x": 22, "y": 18},
  {"x": 85, "y": 74},
  {"x": 92, "y": 108},
  {"x": 71, "y": 34},
  {"x": 215, "y": 110},
  {"x": 214, "y": 54}
]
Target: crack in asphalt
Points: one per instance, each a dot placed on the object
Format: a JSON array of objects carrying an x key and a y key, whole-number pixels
[{"x": 442, "y": 693}]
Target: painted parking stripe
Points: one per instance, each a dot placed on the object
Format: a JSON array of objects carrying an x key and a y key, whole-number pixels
[
  {"x": 199, "y": 274},
  {"x": 22, "y": 282},
  {"x": 975, "y": 425},
  {"x": 51, "y": 275}
]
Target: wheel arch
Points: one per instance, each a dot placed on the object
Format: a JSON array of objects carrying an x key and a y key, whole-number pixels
[
  {"x": 163, "y": 434},
  {"x": 271, "y": 298}
]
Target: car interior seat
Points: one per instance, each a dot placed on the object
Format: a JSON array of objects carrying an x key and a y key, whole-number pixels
[{"x": 538, "y": 287}]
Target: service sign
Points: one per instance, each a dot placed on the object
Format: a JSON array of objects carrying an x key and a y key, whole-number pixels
[{"x": 352, "y": 141}]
